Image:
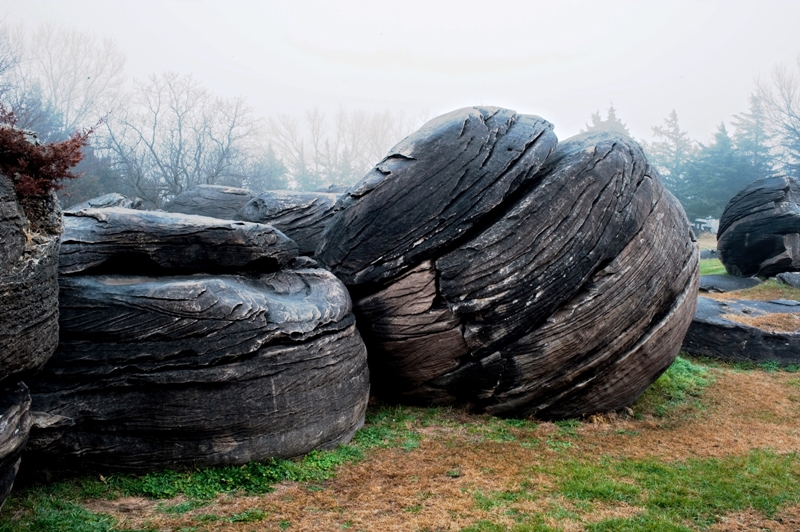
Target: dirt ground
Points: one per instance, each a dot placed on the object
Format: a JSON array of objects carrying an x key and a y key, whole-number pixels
[
  {"x": 433, "y": 487},
  {"x": 707, "y": 241}
]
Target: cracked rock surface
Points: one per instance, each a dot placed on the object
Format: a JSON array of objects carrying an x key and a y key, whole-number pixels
[
  {"x": 570, "y": 297},
  {"x": 160, "y": 372},
  {"x": 124, "y": 240},
  {"x": 302, "y": 216},
  {"x": 433, "y": 187},
  {"x": 759, "y": 232},
  {"x": 28, "y": 288}
]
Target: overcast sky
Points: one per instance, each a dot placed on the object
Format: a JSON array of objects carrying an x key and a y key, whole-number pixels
[{"x": 560, "y": 60}]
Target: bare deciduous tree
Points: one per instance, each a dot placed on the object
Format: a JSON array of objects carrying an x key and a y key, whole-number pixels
[
  {"x": 77, "y": 76},
  {"x": 780, "y": 97},
  {"x": 174, "y": 134},
  {"x": 319, "y": 152}
]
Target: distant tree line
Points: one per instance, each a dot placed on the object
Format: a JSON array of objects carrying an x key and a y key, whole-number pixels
[
  {"x": 763, "y": 141},
  {"x": 156, "y": 137}
]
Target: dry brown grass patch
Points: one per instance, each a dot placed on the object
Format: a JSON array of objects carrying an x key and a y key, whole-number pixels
[
  {"x": 438, "y": 486},
  {"x": 779, "y": 322}
]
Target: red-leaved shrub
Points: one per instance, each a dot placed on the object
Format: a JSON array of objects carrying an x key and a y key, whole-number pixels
[{"x": 36, "y": 168}]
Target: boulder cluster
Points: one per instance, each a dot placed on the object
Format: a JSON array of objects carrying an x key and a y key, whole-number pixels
[{"x": 483, "y": 262}]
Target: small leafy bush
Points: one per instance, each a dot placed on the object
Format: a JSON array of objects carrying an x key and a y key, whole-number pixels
[{"x": 33, "y": 167}]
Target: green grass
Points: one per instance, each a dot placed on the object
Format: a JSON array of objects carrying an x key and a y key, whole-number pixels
[
  {"x": 712, "y": 267},
  {"x": 687, "y": 495},
  {"x": 678, "y": 387},
  {"x": 56, "y": 507},
  {"x": 679, "y": 496}
]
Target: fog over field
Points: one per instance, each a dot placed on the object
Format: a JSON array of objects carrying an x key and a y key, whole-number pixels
[
  {"x": 561, "y": 60},
  {"x": 304, "y": 95}
]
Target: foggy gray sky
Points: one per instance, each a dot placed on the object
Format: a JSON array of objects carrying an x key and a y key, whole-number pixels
[{"x": 561, "y": 60}]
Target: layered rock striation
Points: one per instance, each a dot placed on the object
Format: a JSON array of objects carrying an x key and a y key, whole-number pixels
[
  {"x": 489, "y": 269},
  {"x": 759, "y": 232}
]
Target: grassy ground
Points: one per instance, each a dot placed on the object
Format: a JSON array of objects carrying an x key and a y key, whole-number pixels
[
  {"x": 709, "y": 447},
  {"x": 712, "y": 267}
]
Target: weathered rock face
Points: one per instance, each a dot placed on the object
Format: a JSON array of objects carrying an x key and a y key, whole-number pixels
[
  {"x": 198, "y": 370},
  {"x": 714, "y": 334},
  {"x": 15, "y": 424},
  {"x": 539, "y": 309},
  {"x": 302, "y": 216},
  {"x": 432, "y": 188},
  {"x": 759, "y": 232},
  {"x": 130, "y": 241},
  {"x": 211, "y": 200},
  {"x": 28, "y": 288},
  {"x": 106, "y": 201}
]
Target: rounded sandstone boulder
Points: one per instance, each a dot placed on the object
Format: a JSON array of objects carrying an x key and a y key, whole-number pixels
[
  {"x": 570, "y": 297},
  {"x": 198, "y": 370},
  {"x": 759, "y": 232}
]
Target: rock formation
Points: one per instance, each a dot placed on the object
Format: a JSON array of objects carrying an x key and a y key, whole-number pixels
[
  {"x": 29, "y": 317},
  {"x": 302, "y": 216},
  {"x": 130, "y": 241},
  {"x": 484, "y": 275},
  {"x": 108, "y": 200},
  {"x": 759, "y": 232},
  {"x": 161, "y": 364},
  {"x": 434, "y": 186},
  {"x": 199, "y": 370},
  {"x": 211, "y": 200},
  {"x": 719, "y": 331},
  {"x": 15, "y": 425}
]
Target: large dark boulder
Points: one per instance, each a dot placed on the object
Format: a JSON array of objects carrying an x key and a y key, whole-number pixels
[
  {"x": 120, "y": 240},
  {"x": 571, "y": 298},
  {"x": 198, "y": 370},
  {"x": 714, "y": 334},
  {"x": 433, "y": 187},
  {"x": 28, "y": 285},
  {"x": 15, "y": 425},
  {"x": 215, "y": 201},
  {"x": 759, "y": 232},
  {"x": 302, "y": 216}
]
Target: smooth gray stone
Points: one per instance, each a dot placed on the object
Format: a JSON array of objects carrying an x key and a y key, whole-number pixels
[
  {"x": 106, "y": 201},
  {"x": 15, "y": 425},
  {"x": 302, "y": 216},
  {"x": 708, "y": 254},
  {"x": 713, "y": 335},
  {"x": 198, "y": 370},
  {"x": 433, "y": 187},
  {"x": 118, "y": 240},
  {"x": 759, "y": 231},
  {"x": 727, "y": 283},
  {"x": 542, "y": 312},
  {"x": 790, "y": 278},
  {"x": 215, "y": 201}
]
